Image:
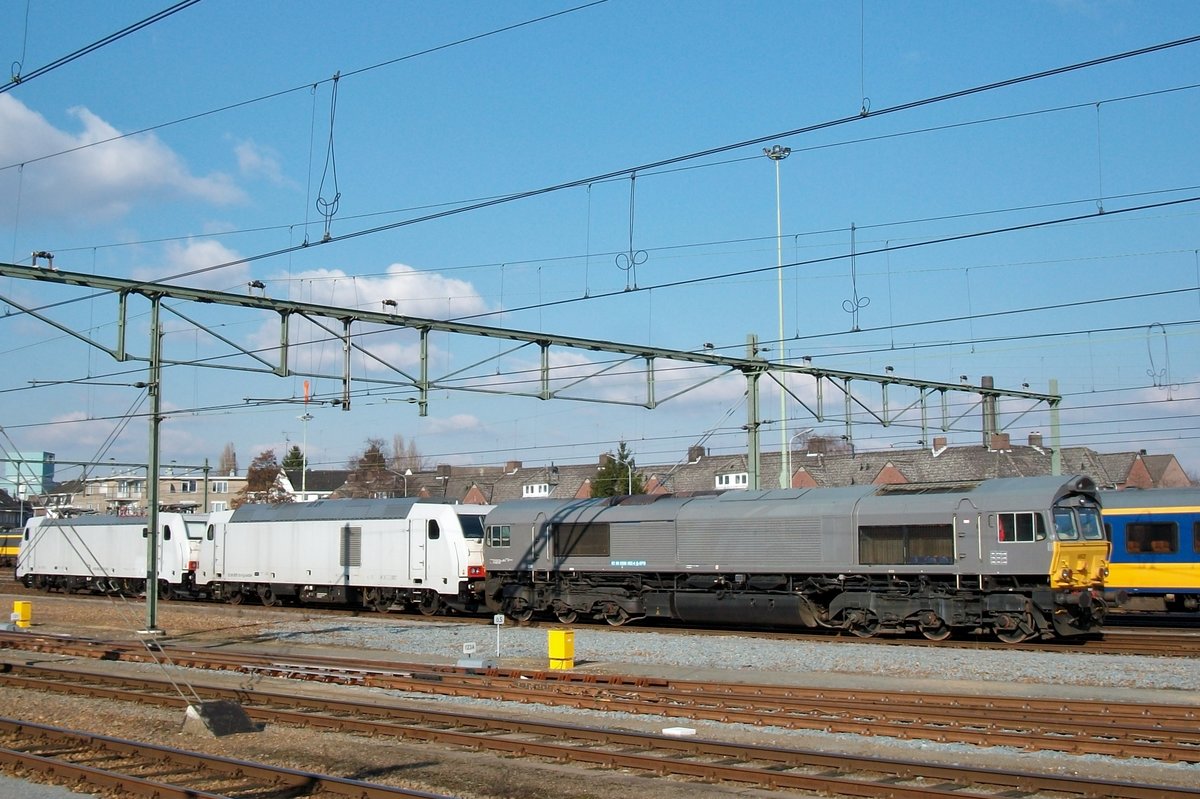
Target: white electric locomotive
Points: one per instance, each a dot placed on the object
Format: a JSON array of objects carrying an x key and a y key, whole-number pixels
[
  {"x": 380, "y": 553},
  {"x": 107, "y": 554},
  {"x": 1016, "y": 558}
]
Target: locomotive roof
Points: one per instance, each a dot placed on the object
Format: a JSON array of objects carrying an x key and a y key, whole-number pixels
[
  {"x": 1030, "y": 492},
  {"x": 92, "y": 520},
  {"x": 1151, "y": 498},
  {"x": 332, "y": 510}
]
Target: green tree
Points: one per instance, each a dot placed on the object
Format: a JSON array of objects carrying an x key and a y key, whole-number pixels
[
  {"x": 615, "y": 475},
  {"x": 262, "y": 482},
  {"x": 294, "y": 459}
]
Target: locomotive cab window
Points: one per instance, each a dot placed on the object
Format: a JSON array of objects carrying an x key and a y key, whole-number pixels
[
  {"x": 1020, "y": 527},
  {"x": 435, "y": 532},
  {"x": 499, "y": 535},
  {"x": 1152, "y": 538}
]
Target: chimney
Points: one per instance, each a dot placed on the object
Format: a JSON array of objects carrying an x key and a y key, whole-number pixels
[
  {"x": 999, "y": 442},
  {"x": 939, "y": 443},
  {"x": 695, "y": 453},
  {"x": 511, "y": 467},
  {"x": 443, "y": 469},
  {"x": 1035, "y": 440}
]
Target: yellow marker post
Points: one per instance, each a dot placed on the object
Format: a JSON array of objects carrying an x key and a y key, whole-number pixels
[
  {"x": 562, "y": 649},
  {"x": 22, "y": 612}
]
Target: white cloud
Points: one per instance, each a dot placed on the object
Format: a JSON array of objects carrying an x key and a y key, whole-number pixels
[
  {"x": 257, "y": 161},
  {"x": 183, "y": 257},
  {"x": 419, "y": 294},
  {"x": 96, "y": 183}
]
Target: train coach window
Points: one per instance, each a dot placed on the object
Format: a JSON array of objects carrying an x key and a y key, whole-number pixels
[
  {"x": 1156, "y": 538},
  {"x": 1196, "y": 537},
  {"x": 499, "y": 535},
  {"x": 1020, "y": 527}
]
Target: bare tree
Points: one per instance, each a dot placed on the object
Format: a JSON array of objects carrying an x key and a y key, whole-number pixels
[
  {"x": 405, "y": 454},
  {"x": 370, "y": 473},
  {"x": 227, "y": 465}
]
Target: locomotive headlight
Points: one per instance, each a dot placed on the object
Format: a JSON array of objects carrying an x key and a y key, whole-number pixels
[
  {"x": 1104, "y": 572},
  {"x": 1066, "y": 573}
]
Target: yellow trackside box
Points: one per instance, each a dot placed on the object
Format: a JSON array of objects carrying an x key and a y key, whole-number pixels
[
  {"x": 562, "y": 649},
  {"x": 22, "y": 612}
]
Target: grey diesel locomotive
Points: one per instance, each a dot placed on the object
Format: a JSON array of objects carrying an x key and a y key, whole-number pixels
[{"x": 1015, "y": 558}]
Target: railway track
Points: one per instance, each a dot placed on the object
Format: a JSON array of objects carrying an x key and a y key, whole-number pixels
[
  {"x": 1125, "y": 640},
  {"x": 1159, "y": 731},
  {"x": 769, "y": 767},
  {"x": 139, "y": 768}
]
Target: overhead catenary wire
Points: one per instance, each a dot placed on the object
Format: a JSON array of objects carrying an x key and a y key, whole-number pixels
[{"x": 17, "y": 79}]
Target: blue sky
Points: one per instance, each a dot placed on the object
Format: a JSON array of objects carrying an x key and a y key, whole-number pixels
[{"x": 442, "y": 104}]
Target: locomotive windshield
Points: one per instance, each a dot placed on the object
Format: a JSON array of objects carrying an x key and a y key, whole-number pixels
[
  {"x": 1073, "y": 524},
  {"x": 472, "y": 527},
  {"x": 1090, "y": 524}
]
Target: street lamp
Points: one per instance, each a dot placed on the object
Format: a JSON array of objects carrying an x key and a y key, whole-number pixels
[
  {"x": 306, "y": 418},
  {"x": 777, "y": 154}
]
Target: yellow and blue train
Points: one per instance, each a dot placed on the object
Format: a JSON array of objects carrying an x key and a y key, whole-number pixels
[
  {"x": 1155, "y": 536},
  {"x": 10, "y": 544}
]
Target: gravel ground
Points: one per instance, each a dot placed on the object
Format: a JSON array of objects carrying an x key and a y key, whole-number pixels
[{"x": 600, "y": 649}]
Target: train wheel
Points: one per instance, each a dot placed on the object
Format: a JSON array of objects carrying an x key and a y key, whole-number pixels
[
  {"x": 616, "y": 616},
  {"x": 376, "y": 601},
  {"x": 430, "y": 603},
  {"x": 164, "y": 590},
  {"x": 936, "y": 633},
  {"x": 236, "y": 598},
  {"x": 862, "y": 623},
  {"x": 268, "y": 597},
  {"x": 521, "y": 614},
  {"x": 566, "y": 616},
  {"x": 28, "y": 580},
  {"x": 1013, "y": 629}
]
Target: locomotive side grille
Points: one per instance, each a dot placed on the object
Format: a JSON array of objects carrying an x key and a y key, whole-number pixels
[
  {"x": 754, "y": 543},
  {"x": 351, "y": 549}
]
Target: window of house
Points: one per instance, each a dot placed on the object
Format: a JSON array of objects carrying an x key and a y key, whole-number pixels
[
  {"x": 187, "y": 486},
  {"x": 217, "y": 506},
  {"x": 535, "y": 490},
  {"x": 499, "y": 535},
  {"x": 733, "y": 480},
  {"x": 1020, "y": 527},
  {"x": 220, "y": 487}
]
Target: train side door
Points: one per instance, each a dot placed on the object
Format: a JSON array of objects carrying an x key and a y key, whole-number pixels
[
  {"x": 536, "y": 553},
  {"x": 968, "y": 538},
  {"x": 418, "y": 548}
]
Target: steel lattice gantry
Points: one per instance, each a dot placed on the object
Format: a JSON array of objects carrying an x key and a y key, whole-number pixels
[{"x": 866, "y": 396}]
